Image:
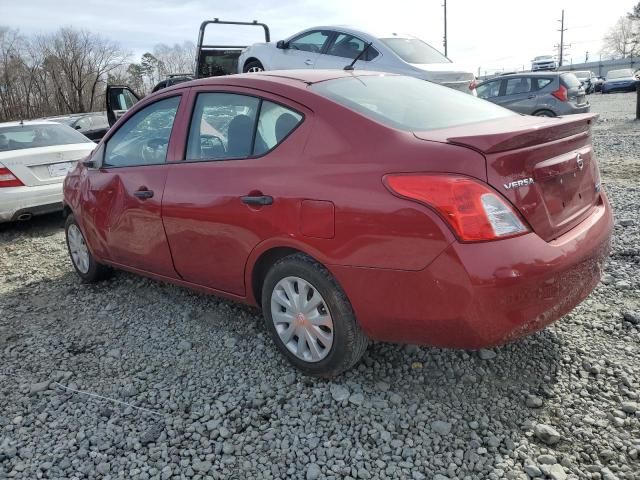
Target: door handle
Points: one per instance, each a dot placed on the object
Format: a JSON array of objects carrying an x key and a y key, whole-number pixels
[
  {"x": 308, "y": 61},
  {"x": 143, "y": 194},
  {"x": 257, "y": 200}
]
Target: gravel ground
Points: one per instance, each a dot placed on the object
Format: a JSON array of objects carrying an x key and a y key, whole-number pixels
[{"x": 196, "y": 389}]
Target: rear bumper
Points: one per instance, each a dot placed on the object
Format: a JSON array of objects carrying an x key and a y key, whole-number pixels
[
  {"x": 37, "y": 200},
  {"x": 482, "y": 294}
]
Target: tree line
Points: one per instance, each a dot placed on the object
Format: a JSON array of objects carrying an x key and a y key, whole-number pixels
[
  {"x": 623, "y": 39},
  {"x": 67, "y": 71}
]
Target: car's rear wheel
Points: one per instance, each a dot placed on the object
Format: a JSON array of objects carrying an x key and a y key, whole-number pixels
[
  {"x": 81, "y": 258},
  {"x": 253, "y": 67},
  {"x": 310, "y": 318},
  {"x": 544, "y": 113}
]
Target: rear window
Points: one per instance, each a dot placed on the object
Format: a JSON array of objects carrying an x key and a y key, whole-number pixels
[
  {"x": 34, "y": 136},
  {"x": 414, "y": 50},
  {"x": 407, "y": 103},
  {"x": 569, "y": 80}
]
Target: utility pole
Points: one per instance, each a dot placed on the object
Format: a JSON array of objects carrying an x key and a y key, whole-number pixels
[
  {"x": 562, "y": 30},
  {"x": 444, "y": 43}
]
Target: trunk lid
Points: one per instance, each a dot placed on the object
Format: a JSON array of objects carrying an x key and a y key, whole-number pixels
[
  {"x": 44, "y": 165},
  {"x": 545, "y": 166}
]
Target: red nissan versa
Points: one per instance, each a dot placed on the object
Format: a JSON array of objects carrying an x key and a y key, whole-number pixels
[{"x": 349, "y": 206}]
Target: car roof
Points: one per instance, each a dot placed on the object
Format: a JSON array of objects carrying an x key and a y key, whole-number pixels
[
  {"x": 355, "y": 30},
  {"x": 299, "y": 78},
  {"x": 27, "y": 122}
]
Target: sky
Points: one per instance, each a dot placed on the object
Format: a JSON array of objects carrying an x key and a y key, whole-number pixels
[{"x": 492, "y": 35}]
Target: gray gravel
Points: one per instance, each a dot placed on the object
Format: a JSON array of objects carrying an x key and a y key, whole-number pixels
[{"x": 198, "y": 391}]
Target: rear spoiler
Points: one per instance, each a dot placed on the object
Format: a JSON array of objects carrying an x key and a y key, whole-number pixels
[{"x": 512, "y": 133}]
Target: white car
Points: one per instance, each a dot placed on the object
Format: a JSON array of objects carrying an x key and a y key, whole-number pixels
[
  {"x": 337, "y": 47},
  {"x": 35, "y": 156}
]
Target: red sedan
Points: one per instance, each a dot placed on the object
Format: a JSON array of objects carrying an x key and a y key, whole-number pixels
[{"x": 349, "y": 206}]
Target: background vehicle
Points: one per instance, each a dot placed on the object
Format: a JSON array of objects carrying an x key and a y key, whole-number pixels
[
  {"x": 34, "y": 158},
  {"x": 543, "y": 62},
  {"x": 337, "y": 47},
  {"x": 547, "y": 94},
  {"x": 597, "y": 84},
  {"x": 92, "y": 125},
  {"x": 587, "y": 79},
  {"x": 289, "y": 190},
  {"x": 622, "y": 80}
]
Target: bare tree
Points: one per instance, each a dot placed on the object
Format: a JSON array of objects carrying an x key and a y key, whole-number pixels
[
  {"x": 77, "y": 61},
  {"x": 623, "y": 39},
  {"x": 176, "y": 59}
]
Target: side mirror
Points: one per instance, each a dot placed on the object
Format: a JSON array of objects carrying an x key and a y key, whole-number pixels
[
  {"x": 281, "y": 44},
  {"x": 89, "y": 163}
]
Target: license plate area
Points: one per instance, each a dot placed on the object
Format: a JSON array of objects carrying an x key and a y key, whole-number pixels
[{"x": 60, "y": 169}]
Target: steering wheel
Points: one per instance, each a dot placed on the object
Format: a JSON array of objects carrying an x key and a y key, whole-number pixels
[{"x": 154, "y": 150}]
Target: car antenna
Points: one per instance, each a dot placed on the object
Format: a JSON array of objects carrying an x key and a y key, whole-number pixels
[{"x": 364, "y": 50}]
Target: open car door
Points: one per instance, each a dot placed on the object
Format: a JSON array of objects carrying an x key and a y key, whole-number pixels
[
  {"x": 217, "y": 60},
  {"x": 120, "y": 98}
]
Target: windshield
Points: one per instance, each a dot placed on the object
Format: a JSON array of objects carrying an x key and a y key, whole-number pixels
[
  {"x": 627, "y": 72},
  {"x": 414, "y": 50},
  {"x": 544, "y": 57},
  {"x": 408, "y": 103},
  {"x": 40, "y": 135}
]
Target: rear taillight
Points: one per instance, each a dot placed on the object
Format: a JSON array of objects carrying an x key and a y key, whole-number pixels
[
  {"x": 8, "y": 179},
  {"x": 561, "y": 93},
  {"x": 472, "y": 209}
]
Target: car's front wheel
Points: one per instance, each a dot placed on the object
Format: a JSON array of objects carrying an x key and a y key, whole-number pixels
[
  {"x": 310, "y": 318},
  {"x": 253, "y": 67},
  {"x": 81, "y": 258}
]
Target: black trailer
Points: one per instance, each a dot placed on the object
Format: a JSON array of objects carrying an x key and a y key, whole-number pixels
[{"x": 216, "y": 60}]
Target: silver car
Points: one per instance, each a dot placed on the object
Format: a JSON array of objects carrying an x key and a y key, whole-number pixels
[
  {"x": 34, "y": 159},
  {"x": 337, "y": 47},
  {"x": 545, "y": 94}
]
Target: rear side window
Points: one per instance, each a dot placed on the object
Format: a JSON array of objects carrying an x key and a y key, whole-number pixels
[
  {"x": 274, "y": 125},
  {"x": 540, "y": 83},
  {"x": 42, "y": 135},
  {"x": 408, "y": 103},
  {"x": 569, "y": 80},
  {"x": 348, "y": 46},
  {"x": 518, "y": 85},
  {"x": 222, "y": 126}
]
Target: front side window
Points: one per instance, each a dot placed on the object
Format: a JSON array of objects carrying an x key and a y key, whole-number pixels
[
  {"x": 144, "y": 138},
  {"x": 518, "y": 85},
  {"x": 414, "y": 50},
  {"x": 348, "y": 46},
  {"x": 489, "y": 89},
  {"x": 408, "y": 103},
  {"x": 38, "y": 135},
  {"x": 310, "y": 42}
]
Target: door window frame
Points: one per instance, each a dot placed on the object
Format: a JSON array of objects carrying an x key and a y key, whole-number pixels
[
  {"x": 337, "y": 33},
  {"x": 139, "y": 106},
  {"x": 193, "y": 98},
  {"x": 331, "y": 35}
]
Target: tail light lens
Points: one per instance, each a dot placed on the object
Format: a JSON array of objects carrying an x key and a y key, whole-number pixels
[
  {"x": 8, "y": 179},
  {"x": 474, "y": 211},
  {"x": 561, "y": 94}
]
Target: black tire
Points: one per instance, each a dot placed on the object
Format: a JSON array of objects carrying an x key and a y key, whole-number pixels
[
  {"x": 544, "y": 113},
  {"x": 252, "y": 66},
  {"x": 349, "y": 342},
  {"x": 96, "y": 271}
]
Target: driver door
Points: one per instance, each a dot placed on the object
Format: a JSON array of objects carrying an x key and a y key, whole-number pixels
[
  {"x": 301, "y": 51},
  {"x": 125, "y": 189},
  {"x": 120, "y": 98}
]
